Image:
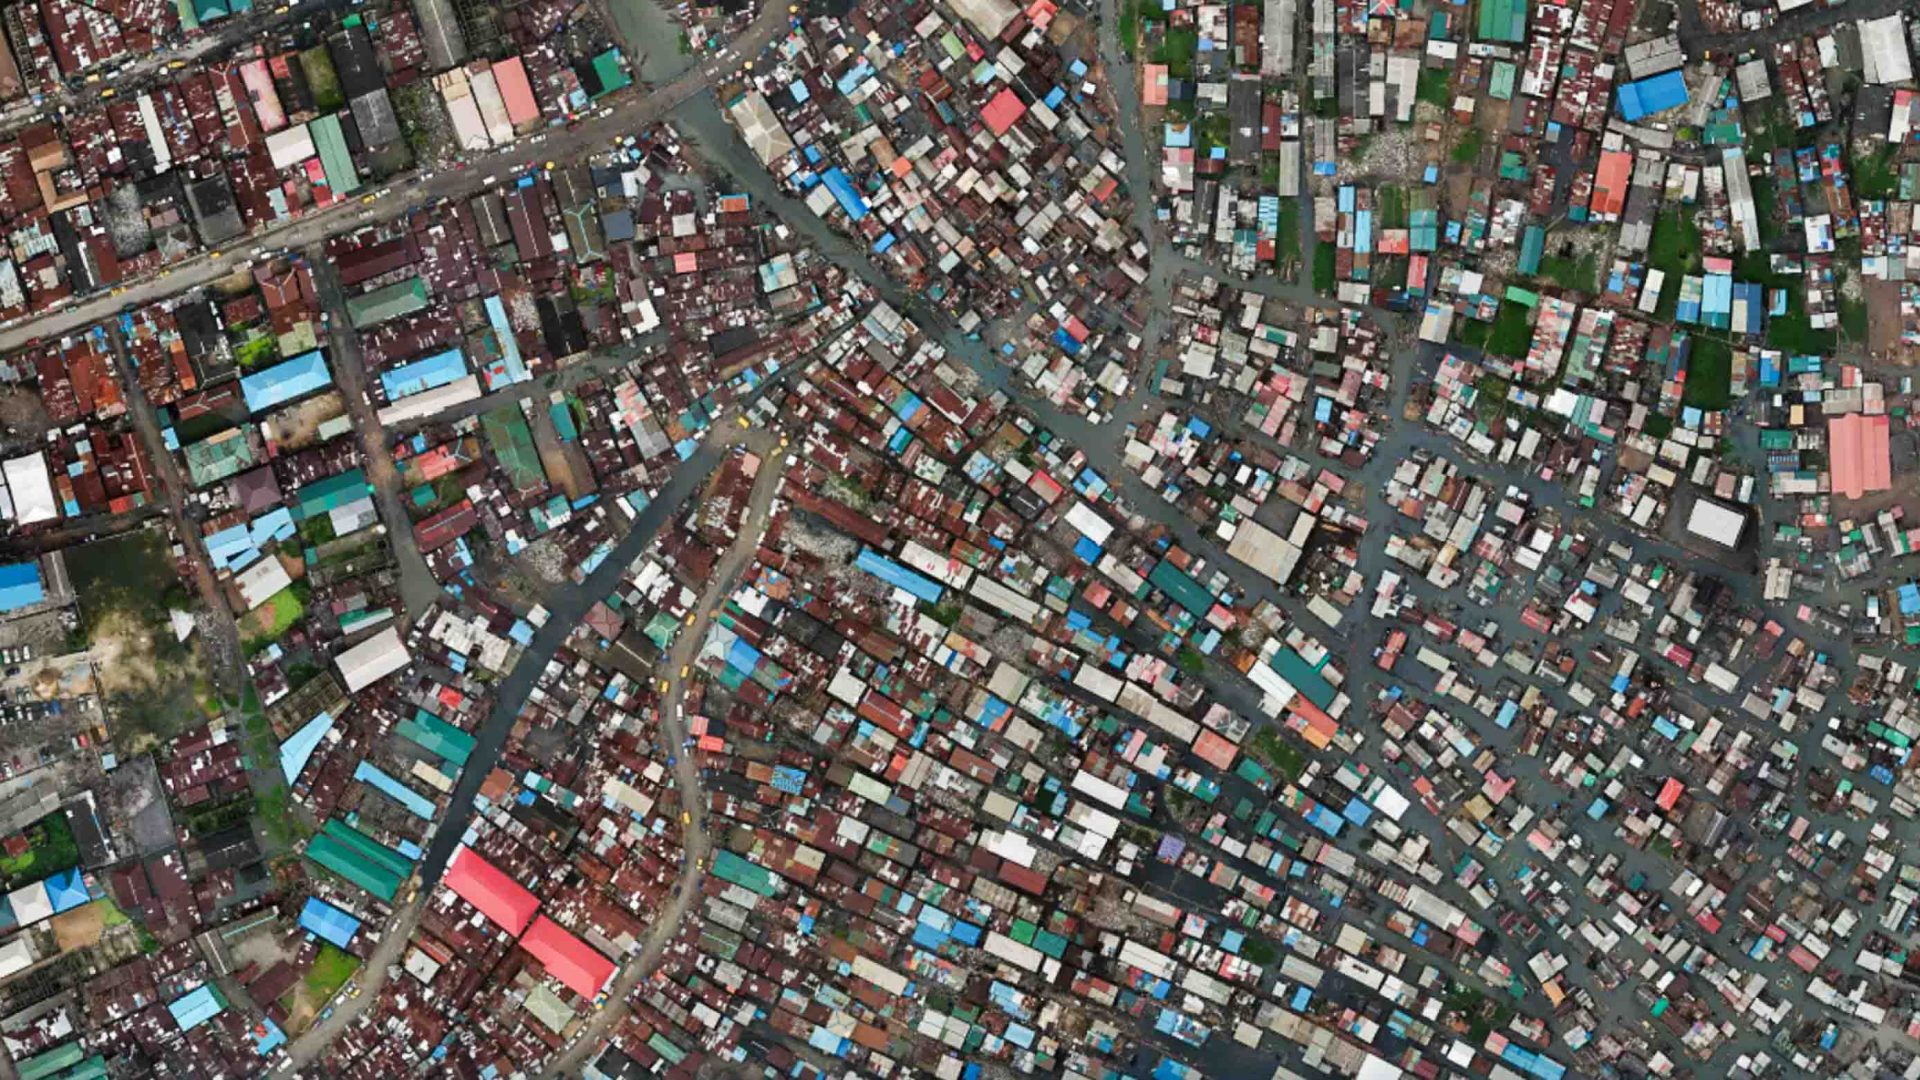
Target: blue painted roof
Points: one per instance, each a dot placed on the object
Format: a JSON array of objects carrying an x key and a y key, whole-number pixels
[
  {"x": 328, "y": 923},
  {"x": 196, "y": 1006},
  {"x": 299, "y": 747},
  {"x": 1654, "y": 94},
  {"x": 66, "y": 891},
  {"x": 283, "y": 382},
  {"x": 922, "y": 587},
  {"x": 426, "y": 373},
  {"x": 377, "y": 778},
  {"x": 842, "y": 188},
  {"x": 20, "y": 585}
]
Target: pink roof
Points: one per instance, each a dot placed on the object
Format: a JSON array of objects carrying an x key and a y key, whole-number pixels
[
  {"x": 1857, "y": 446},
  {"x": 490, "y": 890},
  {"x": 511, "y": 76},
  {"x": 1153, "y": 87},
  {"x": 1003, "y": 110},
  {"x": 567, "y": 958}
]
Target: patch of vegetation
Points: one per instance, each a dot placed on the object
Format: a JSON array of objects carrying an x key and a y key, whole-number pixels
[
  {"x": 1323, "y": 267},
  {"x": 1393, "y": 207},
  {"x": 208, "y": 821},
  {"x": 1435, "y": 87},
  {"x": 1473, "y": 332},
  {"x": 1877, "y": 175},
  {"x": 1467, "y": 150},
  {"x": 1277, "y": 754},
  {"x": 1675, "y": 246},
  {"x": 1512, "y": 331},
  {"x": 1491, "y": 405},
  {"x": 1176, "y": 50},
  {"x": 277, "y": 616},
  {"x": 331, "y": 969},
  {"x": 1259, "y": 950},
  {"x": 1189, "y": 660},
  {"x": 946, "y": 614},
  {"x": 51, "y": 849},
  {"x": 1659, "y": 425},
  {"x": 1574, "y": 275},
  {"x": 1129, "y": 28},
  {"x": 1709, "y": 374},
  {"x": 1853, "y": 319},
  {"x": 276, "y": 815},
  {"x": 1794, "y": 332},
  {"x": 151, "y": 681},
  {"x": 257, "y": 351},
  {"x": 1287, "y": 245}
]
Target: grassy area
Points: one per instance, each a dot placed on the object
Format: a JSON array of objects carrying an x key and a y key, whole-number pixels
[
  {"x": 1853, "y": 319},
  {"x": 1578, "y": 275},
  {"x": 275, "y": 617},
  {"x": 1709, "y": 374},
  {"x": 1176, "y": 51},
  {"x": 52, "y": 849},
  {"x": 330, "y": 971},
  {"x": 257, "y": 351},
  {"x": 152, "y": 682},
  {"x": 1277, "y": 754},
  {"x": 1435, "y": 87},
  {"x": 1876, "y": 176},
  {"x": 276, "y": 815},
  {"x": 1467, "y": 150},
  {"x": 1130, "y": 28},
  {"x": 1393, "y": 207},
  {"x": 1323, "y": 265},
  {"x": 1512, "y": 331},
  {"x": 1794, "y": 333},
  {"x": 1675, "y": 247},
  {"x": 1288, "y": 244}
]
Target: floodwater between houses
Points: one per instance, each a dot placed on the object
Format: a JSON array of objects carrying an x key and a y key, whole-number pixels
[{"x": 648, "y": 28}]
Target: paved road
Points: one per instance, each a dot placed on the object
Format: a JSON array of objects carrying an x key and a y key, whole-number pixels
[
  {"x": 696, "y": 841},
  {"x": 418, "y": 587},
  {"x": 625, "y": 114},
  {"x": 313, "y": 1042}
]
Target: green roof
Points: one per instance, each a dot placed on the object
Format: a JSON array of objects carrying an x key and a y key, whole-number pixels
[
  {"x": 732, "y": 868},
  {"x": 1305, "y": 677},
  {"x": 214, "y": 459},
  {"x": 512, "y": 442},
  {"x": 334, "y": 157},
  {"x": 1185, "y": 591},
  {"x": 359, "y": 858},
  {"x": 1503, "y": 20},
  {"x": 324, "y": 496},
  {"x": 612, "y": 75},
  {"x": 391, "y": 302},
  {"x": 1500, "y": 85},
  {"x": 53, "y": 1062},
  {"x": 452, "y": 744}
]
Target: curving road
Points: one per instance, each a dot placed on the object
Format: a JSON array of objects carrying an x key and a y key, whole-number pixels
[{"x": 696, "y": 841}]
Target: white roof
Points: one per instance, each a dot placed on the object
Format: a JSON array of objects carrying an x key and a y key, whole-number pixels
[
  {"x": 1883, "y": 50},
  {"x": 32, "y": 488},
  {"x": 372, "y": 660},
  {"x": 428, "y": 402},
  {"x": 1264, "y": 550},
  {"x": 290, "y": 146},
  {"x": 259, "y": 582},
  {"x": 30, "y": 904},
  {"x": 1716, "y": 521},
  {"x": 15, "y": 956}
]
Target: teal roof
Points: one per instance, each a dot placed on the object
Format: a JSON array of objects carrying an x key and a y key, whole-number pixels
[
  {"x": 334, "y": 157},
  {"x": 1305, "y": 677},
  {"x": 1503, "y": 20},
  {"x": 435, "y": 734},
  {"x": 1185, "y": 591},
  {"x": 732, "y": 868}
]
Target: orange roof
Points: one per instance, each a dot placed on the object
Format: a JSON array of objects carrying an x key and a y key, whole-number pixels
[
  {"x": 1610, "y": 184},
  {"x": 1215, "y": 749},
  {"x": 567, "y": 958},
  {"x": 1858, "y": 448},
  {"x": 490, "y": 890}
]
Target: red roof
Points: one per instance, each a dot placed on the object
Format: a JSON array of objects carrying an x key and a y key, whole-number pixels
[
  {"x": 1858, "y": 447},
  {"x": 567, "y": 958},
  {"x": 1003, "y": 110},
  {"x": 510, "y": 75},
  {"x": 490, "y": 890}
]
